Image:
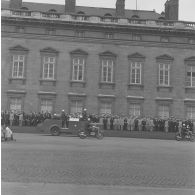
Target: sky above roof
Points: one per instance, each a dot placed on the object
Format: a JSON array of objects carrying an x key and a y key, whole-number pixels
[{"x": 186, "y": 7}]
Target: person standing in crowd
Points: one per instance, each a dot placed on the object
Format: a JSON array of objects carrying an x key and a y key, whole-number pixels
[
  {"x": 166, "y": 126},
  {"x": 121, "y": 122},
  {"x": 143, "y": 124},
  {"x": 116, "y": 123},
  {"x": 105, "y": 122},
  {"x": 111, "y": 123},
  {"x": 180, "y": 126},
  {"x": 108, "y": 122},
  {"x": 129, "y": 123},
  {"x": 67, "y": 120},
  {"x": 139, "y": 124},
  {"x": 11, "y": 118},
  {"x": 132, "y": 123},
  {"x": 63, "y": 118},
  {"x": 21, "y": 119},
  {"x": 101, "y": 121},
  {"x": 125, "y": 124},
  {"x": 151, "y": 124}
]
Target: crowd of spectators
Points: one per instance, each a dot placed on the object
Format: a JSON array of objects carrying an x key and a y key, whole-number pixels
[
  {"x": 123, "y": 123},
  {"x": 135, "y": 123},
  {"x": 11, "y": 118},
  {"x": 109, "y": 122}
]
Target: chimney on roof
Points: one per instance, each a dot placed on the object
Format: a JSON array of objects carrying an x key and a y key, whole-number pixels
[
  {"x": 70, "y": 6},
  {"x": 172, "y": 10},
  {"x": 15, "y": 4},
  {"x": 120, "y": 8}
]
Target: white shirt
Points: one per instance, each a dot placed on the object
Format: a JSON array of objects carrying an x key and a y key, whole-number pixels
[{"x": 8, "y": 132}]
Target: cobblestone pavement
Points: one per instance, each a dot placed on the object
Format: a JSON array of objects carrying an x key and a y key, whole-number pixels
[{"x": 111, "y": 161}]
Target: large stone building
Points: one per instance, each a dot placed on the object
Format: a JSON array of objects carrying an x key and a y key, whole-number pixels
[{"x": 115, "y": 61}]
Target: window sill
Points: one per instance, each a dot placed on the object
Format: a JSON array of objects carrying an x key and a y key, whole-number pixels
[
  {"x": 135, "y": 86},
  {"x": 23, "y": 80},
  {"x": 159, "y": 87},
  {"x": 42, "y": 81},
  {"x": 77, "y": 83},
  {"x": 105, "y": 84},
  {"x": 189, "y": 89}
]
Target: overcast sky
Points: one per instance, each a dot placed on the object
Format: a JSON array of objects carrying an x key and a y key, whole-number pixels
[{"x": 186, "y": 7}]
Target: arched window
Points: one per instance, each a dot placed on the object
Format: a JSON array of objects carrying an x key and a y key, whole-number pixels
[
  {"x": 108, "y": 15},
  {"x": 52, "y": 10},
  {"x": 135, "y": 17},
  {"x": 161, "y": 18},
  {"x": 24, "y": 8},
  {"x": 81, "y": 13}
]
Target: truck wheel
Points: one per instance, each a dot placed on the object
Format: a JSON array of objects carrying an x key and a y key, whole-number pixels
[
  {"x": 100, "y": 136},
  {"x": 82, "y": 135},
  {"x": 55, "y": 131}
]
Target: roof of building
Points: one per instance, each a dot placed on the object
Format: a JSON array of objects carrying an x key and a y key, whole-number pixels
[{"x": 94, "y": 11}]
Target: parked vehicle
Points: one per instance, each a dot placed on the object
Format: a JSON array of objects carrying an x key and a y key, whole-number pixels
[{"x": 93, "y": 130}]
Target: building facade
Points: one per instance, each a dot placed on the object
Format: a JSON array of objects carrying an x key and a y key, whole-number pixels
[{"x": 114, "y": 61}]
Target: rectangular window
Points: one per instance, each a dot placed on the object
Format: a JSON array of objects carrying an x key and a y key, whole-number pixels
[
  {"x": 109, "y": 35},
  {"x": 80, "y": 34},
  {"x": 76, "y": 106},
  {"x": 46, "y": 105},
  {"x": 163, "y": 111},
  {"x": 136, "y": 37},
  {"x": 164, "y": 39},
  {"x": 107, "y": 70},
  {"x": 191, "y": 113},
  {"x": 190, "y": 78},
  {"x": 134, "y": 109},
  {"x": 164, "y": 74},
  {"x": 78, "y": 69},
  {"x": 105, "y": 108},
  {"x": 16, "y": 104},
  {"x": 135, "y": 73},
  {"x": 48, "y": 67},
  {"x": 18, "y": 66}
]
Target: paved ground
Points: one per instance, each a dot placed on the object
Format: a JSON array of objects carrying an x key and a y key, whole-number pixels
[{"x": 104, "y": 166}]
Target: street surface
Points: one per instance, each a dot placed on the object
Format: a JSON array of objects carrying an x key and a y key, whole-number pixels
[{"x": 41, "y": 164}]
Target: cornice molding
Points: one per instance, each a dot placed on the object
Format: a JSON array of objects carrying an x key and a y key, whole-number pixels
[
  {"x": 190, "y": 59},
  {"x": 107, "y": 54},
  {"x": 78, "y": 52},
  {"x": 165, "y": 57},
  {"x": 84, "y": 25},
  {"x": 136, "y": 55},
  {"x": 18, "y": 48},
  {"x": 49, "y": 50}
]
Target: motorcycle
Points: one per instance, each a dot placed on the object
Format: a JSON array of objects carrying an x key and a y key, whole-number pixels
[
  {"x": 92, "y": 131},
  {"x": 185, "y": 135}
]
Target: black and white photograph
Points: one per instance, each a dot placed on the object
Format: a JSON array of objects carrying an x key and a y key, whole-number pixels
[{"x": 97, "y": 97}]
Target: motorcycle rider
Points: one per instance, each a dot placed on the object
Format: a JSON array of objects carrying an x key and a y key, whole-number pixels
[
  {"x": 183, "y": 130},
  {"x": 85, "y": 121}
]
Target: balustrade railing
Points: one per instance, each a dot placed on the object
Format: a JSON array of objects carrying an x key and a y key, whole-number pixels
[{"x": 97, "y": 19}]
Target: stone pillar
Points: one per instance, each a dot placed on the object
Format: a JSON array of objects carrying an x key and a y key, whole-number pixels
[
  {"x": 70, "y": 6},
  {"x": 172, "y": 10},
  {"x": 15, "y": 4},
  {"x": 120, "y": 8}
]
